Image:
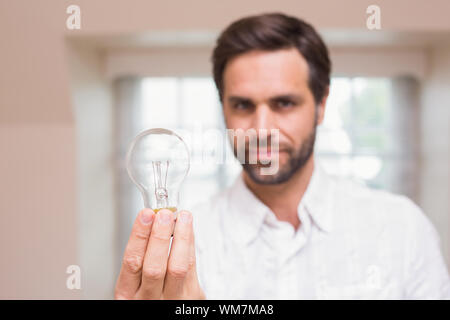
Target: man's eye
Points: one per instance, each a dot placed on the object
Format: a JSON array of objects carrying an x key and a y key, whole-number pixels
[
  {"x": 285, "y": 103},
  {"x": 241, "y": 105}
]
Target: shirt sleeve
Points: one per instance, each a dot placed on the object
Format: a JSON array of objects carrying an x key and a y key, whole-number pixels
[{"x": 426, "y": 271}]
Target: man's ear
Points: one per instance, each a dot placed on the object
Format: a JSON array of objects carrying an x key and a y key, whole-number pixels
[{"x": 321, "y": 107}]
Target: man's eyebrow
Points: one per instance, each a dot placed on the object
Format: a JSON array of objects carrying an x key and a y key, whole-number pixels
[
  {"x": 294, "y": 97},
  {"x": 287, "y": 96},
  {"x": 238, "y": 99}
]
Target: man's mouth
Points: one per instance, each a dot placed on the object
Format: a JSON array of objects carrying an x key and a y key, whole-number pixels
[{"x": 263, "y": 155}]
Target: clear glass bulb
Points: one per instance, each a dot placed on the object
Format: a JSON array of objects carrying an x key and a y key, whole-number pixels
[{"x": 157, "y": 162}]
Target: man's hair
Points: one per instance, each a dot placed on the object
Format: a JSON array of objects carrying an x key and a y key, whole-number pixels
[{"x": 274, "y": 31}]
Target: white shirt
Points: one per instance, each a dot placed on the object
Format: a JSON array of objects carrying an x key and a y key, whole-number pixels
[{"x": 352, "y": 243}]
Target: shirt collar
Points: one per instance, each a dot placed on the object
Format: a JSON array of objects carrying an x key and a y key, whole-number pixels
[
  {"x": 318, "y": 198},
  {"x": 249, "y": 213}
]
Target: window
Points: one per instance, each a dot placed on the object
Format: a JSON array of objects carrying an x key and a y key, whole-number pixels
[
  {"x": 362, "y": 136},
  {"x": 354, "y": 139}
]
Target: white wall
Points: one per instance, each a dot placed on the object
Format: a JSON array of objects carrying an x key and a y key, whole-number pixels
[
  {"x": 92, "y": 105},
  {"x": 435, "y": 140}
]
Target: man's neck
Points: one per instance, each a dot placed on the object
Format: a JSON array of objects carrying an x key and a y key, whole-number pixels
[{"x": 283, "y": 199}]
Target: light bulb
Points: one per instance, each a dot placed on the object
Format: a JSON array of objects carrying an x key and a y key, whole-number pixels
[{"x": 157, "y": 162}]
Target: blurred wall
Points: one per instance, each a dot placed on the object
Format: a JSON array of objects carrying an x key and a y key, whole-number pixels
[
  {"x": 38, "y": 227},
  {"x": 435, "y": 145},
  {"x": 93, "y": 113},
  {"x": 43, "y": 206}
]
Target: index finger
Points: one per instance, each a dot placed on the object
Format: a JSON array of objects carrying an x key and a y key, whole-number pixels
[
  {"x": 131, "y": 271},
  {"x": 156, "y": 255}
]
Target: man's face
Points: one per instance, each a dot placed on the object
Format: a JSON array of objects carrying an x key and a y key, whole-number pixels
[{"x": 269, "y": 90}]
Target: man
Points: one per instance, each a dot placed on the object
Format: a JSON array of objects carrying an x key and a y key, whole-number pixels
[{"x": 298, "y": 233}]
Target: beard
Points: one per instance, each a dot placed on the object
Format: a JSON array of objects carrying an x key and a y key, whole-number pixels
[{"x": 296, "y": 160}]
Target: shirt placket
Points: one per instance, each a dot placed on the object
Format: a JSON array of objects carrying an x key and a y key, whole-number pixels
[{"x": 290, "y": 263}]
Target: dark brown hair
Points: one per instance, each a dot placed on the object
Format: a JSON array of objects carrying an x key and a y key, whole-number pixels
[{"x": 274, "y": 31}]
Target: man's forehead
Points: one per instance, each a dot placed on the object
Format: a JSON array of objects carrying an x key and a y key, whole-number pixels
[{"x": 269, "y": 72}]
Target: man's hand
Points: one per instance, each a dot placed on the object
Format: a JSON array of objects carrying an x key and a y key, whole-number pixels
[{"x": 148, "y": 270}]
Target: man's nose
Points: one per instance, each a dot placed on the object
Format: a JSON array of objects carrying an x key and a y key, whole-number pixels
[{"x": 263, "y": 118}]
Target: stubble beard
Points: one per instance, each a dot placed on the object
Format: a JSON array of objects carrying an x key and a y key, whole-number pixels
[{"x": 297, "y": 158}]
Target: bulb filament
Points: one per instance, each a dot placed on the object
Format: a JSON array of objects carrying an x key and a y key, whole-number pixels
[{"x": 160, "y": 184}]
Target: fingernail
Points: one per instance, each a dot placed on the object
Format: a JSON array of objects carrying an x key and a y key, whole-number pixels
[
  {"x": 165, "y": 217},
  {"x": 146, "y": 217},
  {"x": 185, "y": 217}
]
